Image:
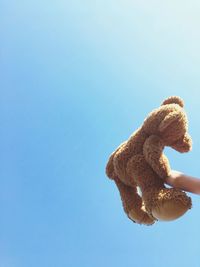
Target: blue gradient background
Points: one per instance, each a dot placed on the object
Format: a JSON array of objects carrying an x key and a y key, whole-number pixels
[{"x": 77, "y": 78}]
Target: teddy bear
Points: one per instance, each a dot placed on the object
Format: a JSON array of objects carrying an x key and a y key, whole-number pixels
[{"x": 139, "y": 167}]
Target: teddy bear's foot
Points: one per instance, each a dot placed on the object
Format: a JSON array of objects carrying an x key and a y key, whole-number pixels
[
  {"x": 145, "y": 219},
  {"x": 171, "y": 204},
  {"x": 141, "y": 217}
]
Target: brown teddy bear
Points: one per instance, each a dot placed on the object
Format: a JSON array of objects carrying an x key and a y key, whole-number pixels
[{"x": 140, "y": 163}]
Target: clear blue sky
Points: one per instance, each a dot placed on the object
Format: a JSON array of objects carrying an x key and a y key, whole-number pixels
[{"x": 77, "y": 78}]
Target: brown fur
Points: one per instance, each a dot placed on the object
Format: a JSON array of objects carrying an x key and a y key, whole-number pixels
[{"x": 140, "y": 162}]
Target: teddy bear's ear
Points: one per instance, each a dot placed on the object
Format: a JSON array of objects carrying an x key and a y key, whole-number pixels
[
  {"x": 173, "y": 100},
  {"x": 169, "y": 119}
]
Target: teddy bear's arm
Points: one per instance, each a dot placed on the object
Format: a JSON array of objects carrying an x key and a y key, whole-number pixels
[
  {"x": 184, "y": 144},
  {"x": 132, "y": 204},
  {"x": 153, "y": 152}
]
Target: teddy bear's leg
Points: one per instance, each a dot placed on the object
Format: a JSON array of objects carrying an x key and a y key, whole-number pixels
[
  {"x": 170, "y": 204},
  {"x": 162, "y": 203},
  {"x": 147, "y": 180},
  {"x": 132, "y": 204}
]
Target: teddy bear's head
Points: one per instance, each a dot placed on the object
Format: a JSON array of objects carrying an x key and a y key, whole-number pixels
[{"x": 170, "y": 123}]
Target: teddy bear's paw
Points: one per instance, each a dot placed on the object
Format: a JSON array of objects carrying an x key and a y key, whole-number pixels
[
  {"x": 171, "y": 204},
  {"x": 142, "y": 218}
]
